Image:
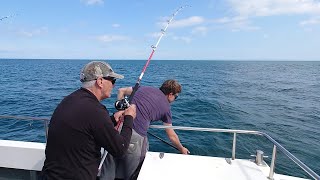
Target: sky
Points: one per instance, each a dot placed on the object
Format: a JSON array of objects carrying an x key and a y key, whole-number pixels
[{"x": 126, "y": 29}]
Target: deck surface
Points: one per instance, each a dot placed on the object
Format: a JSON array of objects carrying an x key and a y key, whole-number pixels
[{"x": 178, "y": 166}]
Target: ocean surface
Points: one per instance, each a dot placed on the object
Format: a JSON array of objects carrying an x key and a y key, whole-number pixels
[{"x": 281, "y": 99}]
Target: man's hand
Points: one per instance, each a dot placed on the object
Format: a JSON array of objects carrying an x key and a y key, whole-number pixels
[
  {"x": 131, "y": 110},
  {"x": 184, "y": 150},
  {"x": 118, "y": 115}
]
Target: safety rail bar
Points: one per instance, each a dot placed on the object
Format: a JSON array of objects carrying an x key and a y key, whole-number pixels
[
  {"x": 235, "y": 132},
  {"x": 45, "y": 120}
]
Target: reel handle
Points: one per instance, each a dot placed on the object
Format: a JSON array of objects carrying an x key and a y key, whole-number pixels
[{"x": 122, "y": 104}]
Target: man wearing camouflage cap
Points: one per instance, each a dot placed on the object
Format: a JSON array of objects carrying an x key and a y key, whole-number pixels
[{"x": 81, "y": 125}]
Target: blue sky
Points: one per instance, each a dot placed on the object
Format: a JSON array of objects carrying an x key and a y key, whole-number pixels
[{"x": 208, "y": 30}]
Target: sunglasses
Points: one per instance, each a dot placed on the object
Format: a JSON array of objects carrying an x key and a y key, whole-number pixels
[
  {"x": 113, "y": 80},
  {"x": 176, "y": 96}
]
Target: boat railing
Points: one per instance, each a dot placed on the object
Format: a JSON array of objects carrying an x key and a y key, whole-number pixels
[
  {"x": 44, "y": 120},
  {"x": 276, "y": 146}
]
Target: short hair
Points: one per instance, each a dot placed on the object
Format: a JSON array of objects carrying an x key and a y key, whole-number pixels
[
  {"x": 170, "y": 86},
  {"x": 88, "y": 84}
]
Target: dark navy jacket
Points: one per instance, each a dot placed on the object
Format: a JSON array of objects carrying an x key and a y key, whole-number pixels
[{"x": 79, "y": 127}]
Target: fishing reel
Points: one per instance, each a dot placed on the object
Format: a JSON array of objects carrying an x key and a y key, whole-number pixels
[{"x": 122, "y": 104}]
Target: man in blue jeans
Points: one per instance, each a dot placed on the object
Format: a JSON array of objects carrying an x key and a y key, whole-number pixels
[{"x": 152, "y": 104}]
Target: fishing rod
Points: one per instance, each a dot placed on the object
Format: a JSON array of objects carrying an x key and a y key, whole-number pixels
[
  {"x": 125, "y": 103},
  {"x": 6, "y": 17}
]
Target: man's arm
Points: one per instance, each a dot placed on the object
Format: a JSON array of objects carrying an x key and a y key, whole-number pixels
[
  {"x": 116, "y": 117},
  {"x": 175, "y": 139},
  {"x": 108, "y": 137},
  {"x": 125, "y": 91}
]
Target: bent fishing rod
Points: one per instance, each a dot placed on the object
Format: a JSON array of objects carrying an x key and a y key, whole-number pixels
[
  {"x": 125, "y": 103},
  {"x": 6, "y": 17}
]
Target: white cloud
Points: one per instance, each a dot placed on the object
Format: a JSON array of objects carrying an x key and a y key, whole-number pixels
[
  {"x": 191, "y": 21},
  {"x": 112, "y": 38},
  {"x": 35, "y": 32},
  {"x": 202, "y": 30},
  {"x": 226, "y": 20},
  {"x": 115, "y": 25},
  {"x": 312, "y": 21},
  {"x": 182, "y": 38},
  {"x": 249, "y": 8},
  {"x": 155, "y": 34},
  {"x": 237, "y": 23},
  {"x": 308, "y": 30},
  {"x": 92, "y": 2}
]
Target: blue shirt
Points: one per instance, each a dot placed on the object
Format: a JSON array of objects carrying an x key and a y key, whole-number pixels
[{"x": 152, "y": 105}]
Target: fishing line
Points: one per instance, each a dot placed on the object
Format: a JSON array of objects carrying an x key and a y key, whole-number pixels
[
  {"x": 125, "y": 103},
  {"x": 163, "y": 141}
]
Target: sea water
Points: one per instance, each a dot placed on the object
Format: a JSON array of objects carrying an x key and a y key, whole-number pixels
[{"x": 281, "y": 99}]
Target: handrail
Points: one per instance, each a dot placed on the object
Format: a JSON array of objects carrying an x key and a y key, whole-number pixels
[
  {"x": 45, "y": 121},
  {"x": 275, "y": 143},
  {"x": 23, "y": 118},
  {"x": 234, "y": 131}
]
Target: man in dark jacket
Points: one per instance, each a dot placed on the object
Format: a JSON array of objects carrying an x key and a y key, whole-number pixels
[{"x": 81, "y": 125}]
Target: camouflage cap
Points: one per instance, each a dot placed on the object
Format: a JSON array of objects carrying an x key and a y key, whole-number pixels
[{"x": 96, "y": 69}]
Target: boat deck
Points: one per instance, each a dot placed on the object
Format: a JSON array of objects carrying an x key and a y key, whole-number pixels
[
  {"x": 26, "y": 158},
  {"x": 177, "y": 166}
]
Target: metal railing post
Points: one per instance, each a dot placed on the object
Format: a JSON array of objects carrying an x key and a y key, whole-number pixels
[
  {"x": 234, "y": 146},
  {"x": 46, "y": 128},
  {"x": 273, "y": 160}
]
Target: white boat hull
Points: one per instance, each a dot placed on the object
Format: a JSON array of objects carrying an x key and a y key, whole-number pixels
[{"x": 30, "y": 156}]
